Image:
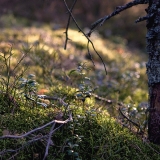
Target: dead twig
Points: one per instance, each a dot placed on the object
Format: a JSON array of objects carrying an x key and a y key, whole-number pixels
[
  {"x": 37, "y": 129},
  {"x": 134, "y": 123},
  {"x": 68, "y": 23},
  {"x": 118, "y": 9},
  {"x": 36, "y": 138},
  {"x": 87, "y": 37}
]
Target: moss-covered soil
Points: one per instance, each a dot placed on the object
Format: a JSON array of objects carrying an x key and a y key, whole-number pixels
[{"x": 34, "y": 65}]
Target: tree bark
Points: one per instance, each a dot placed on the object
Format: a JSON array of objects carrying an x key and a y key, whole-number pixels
[{"x": 153, "y": 69}]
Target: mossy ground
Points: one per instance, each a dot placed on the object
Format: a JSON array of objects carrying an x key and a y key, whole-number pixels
[{"x": 94, "y": 133}]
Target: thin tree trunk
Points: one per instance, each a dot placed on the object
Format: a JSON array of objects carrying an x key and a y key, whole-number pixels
[{"x": 153, "y": 69}]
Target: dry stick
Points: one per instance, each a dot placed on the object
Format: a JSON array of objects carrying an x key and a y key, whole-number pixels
[
  {"x": 48, "y": 142},
  {"x": 67, "y": 27},
  {"x": 115, "y": 12},
  {"x": 105, "y": 100},
  {"x": 52, "y": 98},
  {"x": 128, "y": 118},
  {"x": 99, "y": 98},
  {"x": 118, "y": 103},
  {"x": 36, "y": 139},
  {"x": 37, "y": 129},
  {"x": 49, "y": 98},
  {"x": 140, "y": 19},
  {"x": 90, "y": 55},
  {"x": 80, "y": 30},
  {"x": 89, "y": 41}
]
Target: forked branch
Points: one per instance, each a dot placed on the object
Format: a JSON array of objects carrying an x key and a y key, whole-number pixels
[
  {"x": 118, "y": 9},
  {"x": 35, "y": 138},
  {"x": 80, "y": 30}
]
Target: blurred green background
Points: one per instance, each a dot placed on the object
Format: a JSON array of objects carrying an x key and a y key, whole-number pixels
[{"x": 86, "y": 12}]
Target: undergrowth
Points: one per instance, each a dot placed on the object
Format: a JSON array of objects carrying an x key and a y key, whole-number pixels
[{"x": 55, "y": 107}]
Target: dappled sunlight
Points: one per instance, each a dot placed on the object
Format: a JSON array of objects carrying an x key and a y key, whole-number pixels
[
  {"x": 49, "y": 45},
  {"x": 51, "y": 84}
]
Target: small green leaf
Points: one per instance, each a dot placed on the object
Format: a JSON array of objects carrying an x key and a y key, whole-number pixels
[
  {"x": 72, "y": 71},
  {"x": 31, "y": 76},
  {"x": 70, "y": 152},
  {"x": 31, "y": 81},
  {"x": 70, "y": 144},
  {"x": 75, "y": 145}
]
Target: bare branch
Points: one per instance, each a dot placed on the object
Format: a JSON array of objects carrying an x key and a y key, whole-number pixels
[
  {"x": 135, "y": 124},
  {"x": 87, "y": 37},
  {"x": 68, "y": 23},
  {"x": 54, "y": 98},
  {"x": 48, "y": 142},
  {"x": 37, "y": 129},
  {"x": 115, "y": 12},
  {"x": 140, "y": 19},
  {"x": 37, "y": 137},
  {"x": 61, "y": 101},
  {"x": 119, "y": 104}
]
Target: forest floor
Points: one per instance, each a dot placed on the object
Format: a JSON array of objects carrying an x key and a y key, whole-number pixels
[{"x": 34, "y": 64}]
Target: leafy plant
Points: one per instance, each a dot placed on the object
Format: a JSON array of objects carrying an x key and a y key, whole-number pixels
[{"x": 9, "y": 78}]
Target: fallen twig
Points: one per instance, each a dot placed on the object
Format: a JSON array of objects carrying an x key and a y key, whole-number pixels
[{"x": 37, "y": 138}]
